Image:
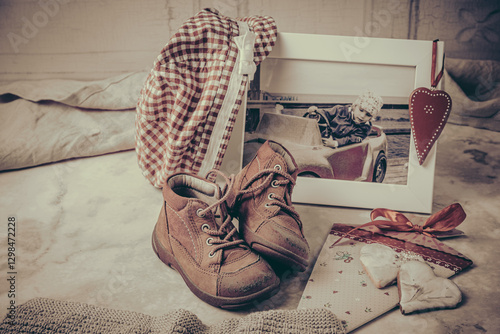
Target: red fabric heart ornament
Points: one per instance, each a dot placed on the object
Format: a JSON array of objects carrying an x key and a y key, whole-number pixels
[{"x": 429, "y": 111}]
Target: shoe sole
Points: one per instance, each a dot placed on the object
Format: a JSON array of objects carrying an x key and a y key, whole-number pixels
[
  {"x": 273, "y": 252},
  {"x": 223, "y": 302}
]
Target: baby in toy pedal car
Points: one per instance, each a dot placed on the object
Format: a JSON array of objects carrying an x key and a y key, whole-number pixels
[{"x": 346, "y": 124}]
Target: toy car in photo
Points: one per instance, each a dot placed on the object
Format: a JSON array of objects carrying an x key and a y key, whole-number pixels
[{"x": 364, "y": 161}]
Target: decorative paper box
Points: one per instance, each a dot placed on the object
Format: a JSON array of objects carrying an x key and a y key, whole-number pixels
[{"x": 339, "y": 283}]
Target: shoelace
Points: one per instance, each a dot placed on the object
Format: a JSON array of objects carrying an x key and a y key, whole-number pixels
[
  {"x": 282, "y": 203},
  {"x": 224, "y": 239}
]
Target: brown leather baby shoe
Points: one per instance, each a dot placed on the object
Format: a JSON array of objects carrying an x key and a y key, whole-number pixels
[
  {"x": 195, "y": 235},
  {"x": 262, "y": 202}
]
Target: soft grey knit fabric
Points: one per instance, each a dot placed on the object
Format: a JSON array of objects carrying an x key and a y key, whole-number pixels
[{"x": 49, "y": 316}]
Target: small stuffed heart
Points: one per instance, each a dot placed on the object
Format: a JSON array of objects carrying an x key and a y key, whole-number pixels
[
  {"x": 421, "y": 290},
  {"x": 429, "y": 111},
  {"x": 381, "y": 263}
]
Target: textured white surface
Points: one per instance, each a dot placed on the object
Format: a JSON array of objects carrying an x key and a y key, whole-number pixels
[{"x": 84, "y": 230}]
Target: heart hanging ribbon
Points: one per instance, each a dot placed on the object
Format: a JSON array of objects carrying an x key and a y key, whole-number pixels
[
  {"x": 429, "y": 111},
  {"x": 442, "y": 221}
]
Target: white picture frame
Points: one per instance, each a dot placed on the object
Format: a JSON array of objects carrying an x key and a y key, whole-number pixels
[{"x": 369, "y": 58}]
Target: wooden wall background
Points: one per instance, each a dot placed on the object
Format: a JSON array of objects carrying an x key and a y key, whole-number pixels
[{"x": 89, "y": 39}]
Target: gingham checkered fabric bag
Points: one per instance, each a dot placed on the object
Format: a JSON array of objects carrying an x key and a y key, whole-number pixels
[{"x": 188, "y": 105}]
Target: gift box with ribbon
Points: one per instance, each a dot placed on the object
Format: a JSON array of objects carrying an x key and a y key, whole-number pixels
[{"x": 340, "y": 283}]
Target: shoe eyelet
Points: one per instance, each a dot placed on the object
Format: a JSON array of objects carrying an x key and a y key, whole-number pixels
[
  {"x": 205, "y": 227},
  {"x": 267, "y": 205},
  {"x": 275, "y": 184},
  {"x": 211, "y": 254},
  {"x": 209, "y": 241},
  {"x": 277, "y": 167},
  {"x": 199, "y": 213},
  {"x": 270, "y": 196}
]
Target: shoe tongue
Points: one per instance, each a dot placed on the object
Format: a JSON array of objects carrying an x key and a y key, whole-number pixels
[{"x": 217, "y": 192}]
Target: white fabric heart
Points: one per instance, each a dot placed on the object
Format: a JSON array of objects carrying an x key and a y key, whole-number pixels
[
  {"x": 381, "y": 263},
  {"x": 420, "y": 289}
]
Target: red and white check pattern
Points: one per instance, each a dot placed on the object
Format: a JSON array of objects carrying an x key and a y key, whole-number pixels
[{"x": 184, "y": 91}]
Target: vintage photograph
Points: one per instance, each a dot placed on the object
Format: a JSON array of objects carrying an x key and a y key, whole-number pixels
[{"x": 365, "y": 140}]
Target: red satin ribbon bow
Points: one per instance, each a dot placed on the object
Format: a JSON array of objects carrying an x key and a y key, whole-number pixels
[{"x": 442, "y": 221}]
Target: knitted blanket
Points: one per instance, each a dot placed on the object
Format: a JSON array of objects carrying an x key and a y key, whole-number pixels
[{"x": 42, "y": 315}]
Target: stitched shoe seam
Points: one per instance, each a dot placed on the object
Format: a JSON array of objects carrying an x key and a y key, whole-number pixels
[
  {"x": 263, "y": 218},
  {"x": 240, "y": 270},
  {"x": 187, "y": 227},
  {"x": 192, "y": 218},
  {"x": 269, "y": 221},
  {"x": 190, "y": 259},
  {"x": 247, "y": 253}
]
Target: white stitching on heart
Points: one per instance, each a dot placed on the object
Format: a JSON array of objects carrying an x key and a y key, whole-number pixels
[{"x": 439, "y": 128}]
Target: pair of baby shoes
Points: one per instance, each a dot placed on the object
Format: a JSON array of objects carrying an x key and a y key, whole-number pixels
[{"x": 224, "y": 266}]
